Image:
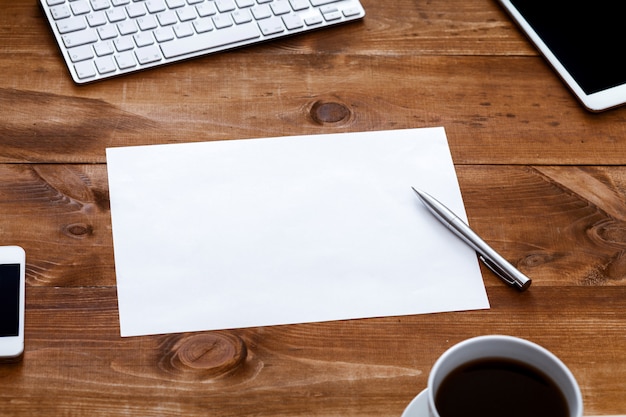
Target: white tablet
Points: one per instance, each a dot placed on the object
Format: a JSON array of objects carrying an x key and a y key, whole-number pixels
[{"x": 583, "y": 41}]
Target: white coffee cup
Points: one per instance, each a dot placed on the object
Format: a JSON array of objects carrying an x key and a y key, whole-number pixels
[{"x": 504, "y": 347}]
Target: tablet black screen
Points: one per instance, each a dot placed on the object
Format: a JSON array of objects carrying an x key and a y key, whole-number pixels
[{"x": 586, "y": 37}]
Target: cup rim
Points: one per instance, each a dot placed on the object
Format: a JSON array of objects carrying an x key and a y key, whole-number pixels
[{"x": 577, "y": 409}]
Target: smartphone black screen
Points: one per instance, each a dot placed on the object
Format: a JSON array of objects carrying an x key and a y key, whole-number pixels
[
  {"x": 586, "y": 37},
  {"x": 9, "y": 300}
]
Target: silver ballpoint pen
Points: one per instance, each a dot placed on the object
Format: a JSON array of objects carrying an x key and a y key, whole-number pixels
[{"x": 492, "y": 259}]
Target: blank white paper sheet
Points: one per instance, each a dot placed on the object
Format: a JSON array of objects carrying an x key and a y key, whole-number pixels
[{"x": 257, "y": 232}]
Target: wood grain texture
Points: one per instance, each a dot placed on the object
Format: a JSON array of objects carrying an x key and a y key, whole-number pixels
[
  {"x": 77, "y": 363},
  {"x": 528, "y": 213},
  {"x": 464, "y": 67},
  {"x": 543, "y": 181}
]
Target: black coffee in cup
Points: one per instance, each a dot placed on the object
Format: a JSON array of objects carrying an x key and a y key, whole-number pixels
[{"x": 495, "y": 387}]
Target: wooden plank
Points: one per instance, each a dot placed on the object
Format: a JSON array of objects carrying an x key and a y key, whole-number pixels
[
  {"x": 501, "y": 106},
  {"x": 560, "y": 225},
  {"x": 60, "y": 215},
  {"x": 76, "y": 362},
  {"x": 510, "y": 114}
]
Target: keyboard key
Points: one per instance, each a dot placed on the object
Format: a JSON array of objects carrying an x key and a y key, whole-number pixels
[
  {"x": 96, "y": 19},
  {"x": 125, "y": 60},
  {"x": 206, "y": 42},
  {"x": 206, "y": 9},
  {"x": 242, "y": 16},
  {"x": 105, "y": 65},
  {"x": 271, "y": 26},
  {"x": 203, "y": 25},
  {"x": 80, "y": 7},
  {"x": 322, "y": 2},
  {"x": 167, "y": 18},
  {"x": 224, "y": 6},
  {"x": 71, "y": 24},
  {"x": 174, "y": 4},
  {"x": 115, "y": 15},
  {"x": 60, "y": 12},
  {"x": 136, "y": 9},
  {"x": 186, "y": 14},
  {"x": 155, "y": 6},
  {"x": 352, "y": 11},
  {"x": 85, "y": 70},
  {"x": 143, "y": 39},
  {"x": 124, "y": 43},
  {"x": 81, "y": 53},
  {"x": 183, "y": 30},
  {"x": 314, "y": 20},
  {"x": 148, "y": 54},
  {"x": 293, "y": 21},
  {"x": 242, "y": 4},
  {"x": 328, "y": 9},
  {"x": 262, "y": 12},
  {"x": 147, "y": 22},
  {"x": 222, "y": 21},
  {"x": 164, "y": 34},
  {"x": 83, "y": 37},
  {"x": 103, "y": 48},
  {"x": 97, "y": 5},
  {"x": 280, "y": 7},
  {"x": 107, "y": 32},
  {"x": 298, "y": 5},
  {"x": 332, "y": 16},
  {"x": 127, "y": 27}
]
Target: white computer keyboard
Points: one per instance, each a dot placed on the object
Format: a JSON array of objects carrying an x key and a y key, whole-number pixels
[{"x": 105, "y": 38}]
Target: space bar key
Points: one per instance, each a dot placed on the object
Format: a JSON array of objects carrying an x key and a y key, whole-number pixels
[{"x": 210, "y": 40}]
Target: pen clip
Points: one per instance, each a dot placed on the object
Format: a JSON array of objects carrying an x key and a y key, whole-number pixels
[{"x": 504, "y": 275}]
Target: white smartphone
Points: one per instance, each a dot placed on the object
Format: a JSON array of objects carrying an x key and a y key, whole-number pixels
[
  {"x": 12, "y": 288},
  {"x": 583, "y": 41}
]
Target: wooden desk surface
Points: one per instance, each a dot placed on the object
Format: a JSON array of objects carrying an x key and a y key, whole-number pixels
[{"x": 543, "y": 180}]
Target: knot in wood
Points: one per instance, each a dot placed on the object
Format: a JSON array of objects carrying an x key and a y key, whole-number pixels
[
  {"x": 324, "y": 112},
  {"x": 609, "y": 232},
  {"x": 535, "y": 259},
  {"x": 203, "y": 356},
  {"x": 79, "y": 229}
]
